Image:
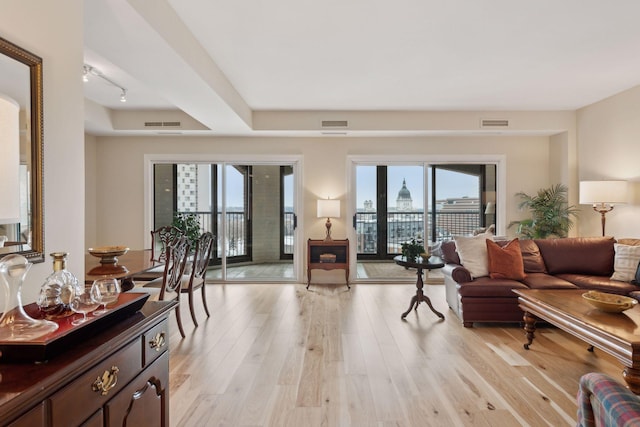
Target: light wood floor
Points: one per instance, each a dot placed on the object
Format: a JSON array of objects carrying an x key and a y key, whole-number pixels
[{"x": 279, "y": 355}]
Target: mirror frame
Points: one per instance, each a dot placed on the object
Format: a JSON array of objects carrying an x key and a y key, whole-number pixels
[{"x": 35, "y": 252}]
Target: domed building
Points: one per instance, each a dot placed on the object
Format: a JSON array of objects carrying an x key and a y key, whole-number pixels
[{"x": 404, "y": 201}]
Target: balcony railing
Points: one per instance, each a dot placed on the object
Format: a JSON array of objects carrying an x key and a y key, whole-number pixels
[
  {"x": 236, "y": 231},
  {"x": 402, "y": 226}
]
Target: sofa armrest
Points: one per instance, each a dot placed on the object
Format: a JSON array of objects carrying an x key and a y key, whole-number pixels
[
  {"x": 457, "y": 272},
  {"x": 452, "y": 273},
  {"x": 602, "y": 401}
]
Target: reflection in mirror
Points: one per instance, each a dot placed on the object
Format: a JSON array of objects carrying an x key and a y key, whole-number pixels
[{"x": 21, "y": 219}]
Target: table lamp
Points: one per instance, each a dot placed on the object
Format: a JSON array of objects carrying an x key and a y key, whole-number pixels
[
  {"x": 328, "y": 209},
  {"x": 603, "y": 195}
]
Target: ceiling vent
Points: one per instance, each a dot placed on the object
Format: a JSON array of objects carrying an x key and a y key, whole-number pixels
[
  {"x": 162, "y": 124},
  {"x": 335, "y": 124},
  {"x": 494, "y": 123}
]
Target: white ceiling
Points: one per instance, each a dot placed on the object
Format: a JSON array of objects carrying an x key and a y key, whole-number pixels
[{"x": 221, "y": 61}]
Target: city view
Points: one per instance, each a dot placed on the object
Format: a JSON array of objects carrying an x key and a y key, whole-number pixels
[
  {"x": 457, "y": 209},
  {"x": 380, "y": 230}
]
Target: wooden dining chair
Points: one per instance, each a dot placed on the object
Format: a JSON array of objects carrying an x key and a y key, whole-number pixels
[
  {"x": 196, "y": 278},
  {"x": 161, "y": 238},
  {"x": 169, "y": 285}
]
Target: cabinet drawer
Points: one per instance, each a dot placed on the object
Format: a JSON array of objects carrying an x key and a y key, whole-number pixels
[
  {"x": 155, "y": 342},
  {"x": 145, "y": 400},
  {"x": 86, "y": 394},
  {"x": 35, "y": 417}
]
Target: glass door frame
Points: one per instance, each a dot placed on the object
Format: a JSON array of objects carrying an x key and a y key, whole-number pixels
[
  {"x": 295, "y": 161},
  {"x": 425, "y": 160}
]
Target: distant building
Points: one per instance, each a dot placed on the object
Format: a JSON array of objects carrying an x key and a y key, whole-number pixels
[
  {"x": 404, "y": 202},
  {"x": 456, "y": 204},
  {"x": 454, "y": 216}
]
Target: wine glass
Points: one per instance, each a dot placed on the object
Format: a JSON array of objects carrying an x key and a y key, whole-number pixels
[
  {"x": 85, "y": 301},
  {"x": 109, "y": 289}
]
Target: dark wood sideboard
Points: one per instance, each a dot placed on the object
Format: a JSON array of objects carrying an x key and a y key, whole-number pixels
[
  {"x": 337, "y": 249},
  {"x": 118, "y": 376}
]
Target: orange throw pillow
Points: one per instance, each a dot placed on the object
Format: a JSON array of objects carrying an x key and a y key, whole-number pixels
[{"x": 505, "y": 262}]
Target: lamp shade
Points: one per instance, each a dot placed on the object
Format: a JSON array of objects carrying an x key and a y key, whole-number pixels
[
  {"x": 490, "y": 209},
  {"x": 328, "y": 208},
  {"x": 603, "y": 192},
  {"x": 9, "y": 161}
]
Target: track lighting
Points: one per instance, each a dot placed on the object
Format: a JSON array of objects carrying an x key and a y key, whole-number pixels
[{"x": 88, "y": 70}]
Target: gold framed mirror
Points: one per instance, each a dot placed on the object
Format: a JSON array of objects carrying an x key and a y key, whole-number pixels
[{"x": 21, "y": 229}]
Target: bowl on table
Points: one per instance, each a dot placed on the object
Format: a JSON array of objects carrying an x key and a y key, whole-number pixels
[
  {"x": 108, "y": 254},
  {"x": 611, "y": 303}
]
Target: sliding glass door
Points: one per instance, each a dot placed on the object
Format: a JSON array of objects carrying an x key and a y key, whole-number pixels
[
  {"x": 462, "y": 199},
  {"x": 249, "y": 207},
  {"x": 425, "y": 202},
  {"x": 390, "y": 209}
]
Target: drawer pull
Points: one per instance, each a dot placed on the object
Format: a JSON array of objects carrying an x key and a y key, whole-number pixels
[
  {"x": 158, "y": 341},
  {"x": 107, "y": 381}
]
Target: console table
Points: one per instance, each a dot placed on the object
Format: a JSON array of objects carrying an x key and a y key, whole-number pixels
[
  {"x": 118, "y": 376},
  {"x": 337, "y": 248}
]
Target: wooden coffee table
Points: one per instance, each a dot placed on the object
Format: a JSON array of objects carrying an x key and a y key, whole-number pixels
[{"x": 615, "y": 333}]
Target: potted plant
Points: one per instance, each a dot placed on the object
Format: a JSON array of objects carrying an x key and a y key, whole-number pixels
[
  {"x": 551, "y": 214},
  {"x": 189, "y": 224},
  {"x": 412, "y": 249}
]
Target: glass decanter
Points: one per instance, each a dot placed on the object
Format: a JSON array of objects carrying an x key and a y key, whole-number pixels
[
  {"x": 15, "y": 323},
  {"x": 58, "y": 289}
]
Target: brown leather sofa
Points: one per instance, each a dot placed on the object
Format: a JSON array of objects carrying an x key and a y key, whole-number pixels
[{"x": 566, "y": 263}]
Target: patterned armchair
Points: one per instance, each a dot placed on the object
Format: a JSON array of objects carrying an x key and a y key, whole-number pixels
[{"x": 602, "y": 401}]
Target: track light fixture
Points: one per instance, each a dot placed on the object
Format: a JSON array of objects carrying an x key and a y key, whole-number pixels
[{"x": 88, "y": 70}]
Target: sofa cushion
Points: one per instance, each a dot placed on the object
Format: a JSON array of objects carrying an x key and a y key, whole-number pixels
[
  {"x": 579, "y": 255},
  {"x": 599, "y": 283},
  {"x": 473, "y": 254},
  {"x": 546, "y": 281},
  {"x": 505, "y": 261},
  {"x": 531, "y": 257},
  {"x": 449, "y": 254},
  {"x": 629, "y": 241},
  {"x": 490, "y": 288},
  {"x": 625, "y": 262}
]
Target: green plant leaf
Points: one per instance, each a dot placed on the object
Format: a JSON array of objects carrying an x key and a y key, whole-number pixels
[{"x": 550, "y": 212}]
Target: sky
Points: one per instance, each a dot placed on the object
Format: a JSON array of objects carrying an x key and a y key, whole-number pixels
[{"x": 450, "y": 184}]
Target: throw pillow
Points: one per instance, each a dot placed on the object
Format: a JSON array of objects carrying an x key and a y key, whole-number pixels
[
  {"x": 505, "y": 262},
  {"x": 531, "y": 257},
  {"x": 625, "y": 262},
  {"x": 473, "y": 254}
]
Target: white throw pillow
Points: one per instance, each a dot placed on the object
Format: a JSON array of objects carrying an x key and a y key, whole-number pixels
[
  {"x": 473, "y": 253},
  {"x": 625, "y": 262}
]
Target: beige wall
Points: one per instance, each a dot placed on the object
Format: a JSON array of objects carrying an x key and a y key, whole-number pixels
[
  {"x": 53, "y": 31},
  {"x": 609, "y": 148},
  {"x": 90, "y": 215},
  {"x": 120, "y": 196}
]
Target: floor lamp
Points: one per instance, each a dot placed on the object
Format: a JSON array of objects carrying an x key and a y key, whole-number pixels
[{"x": 602, "y": 195}]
